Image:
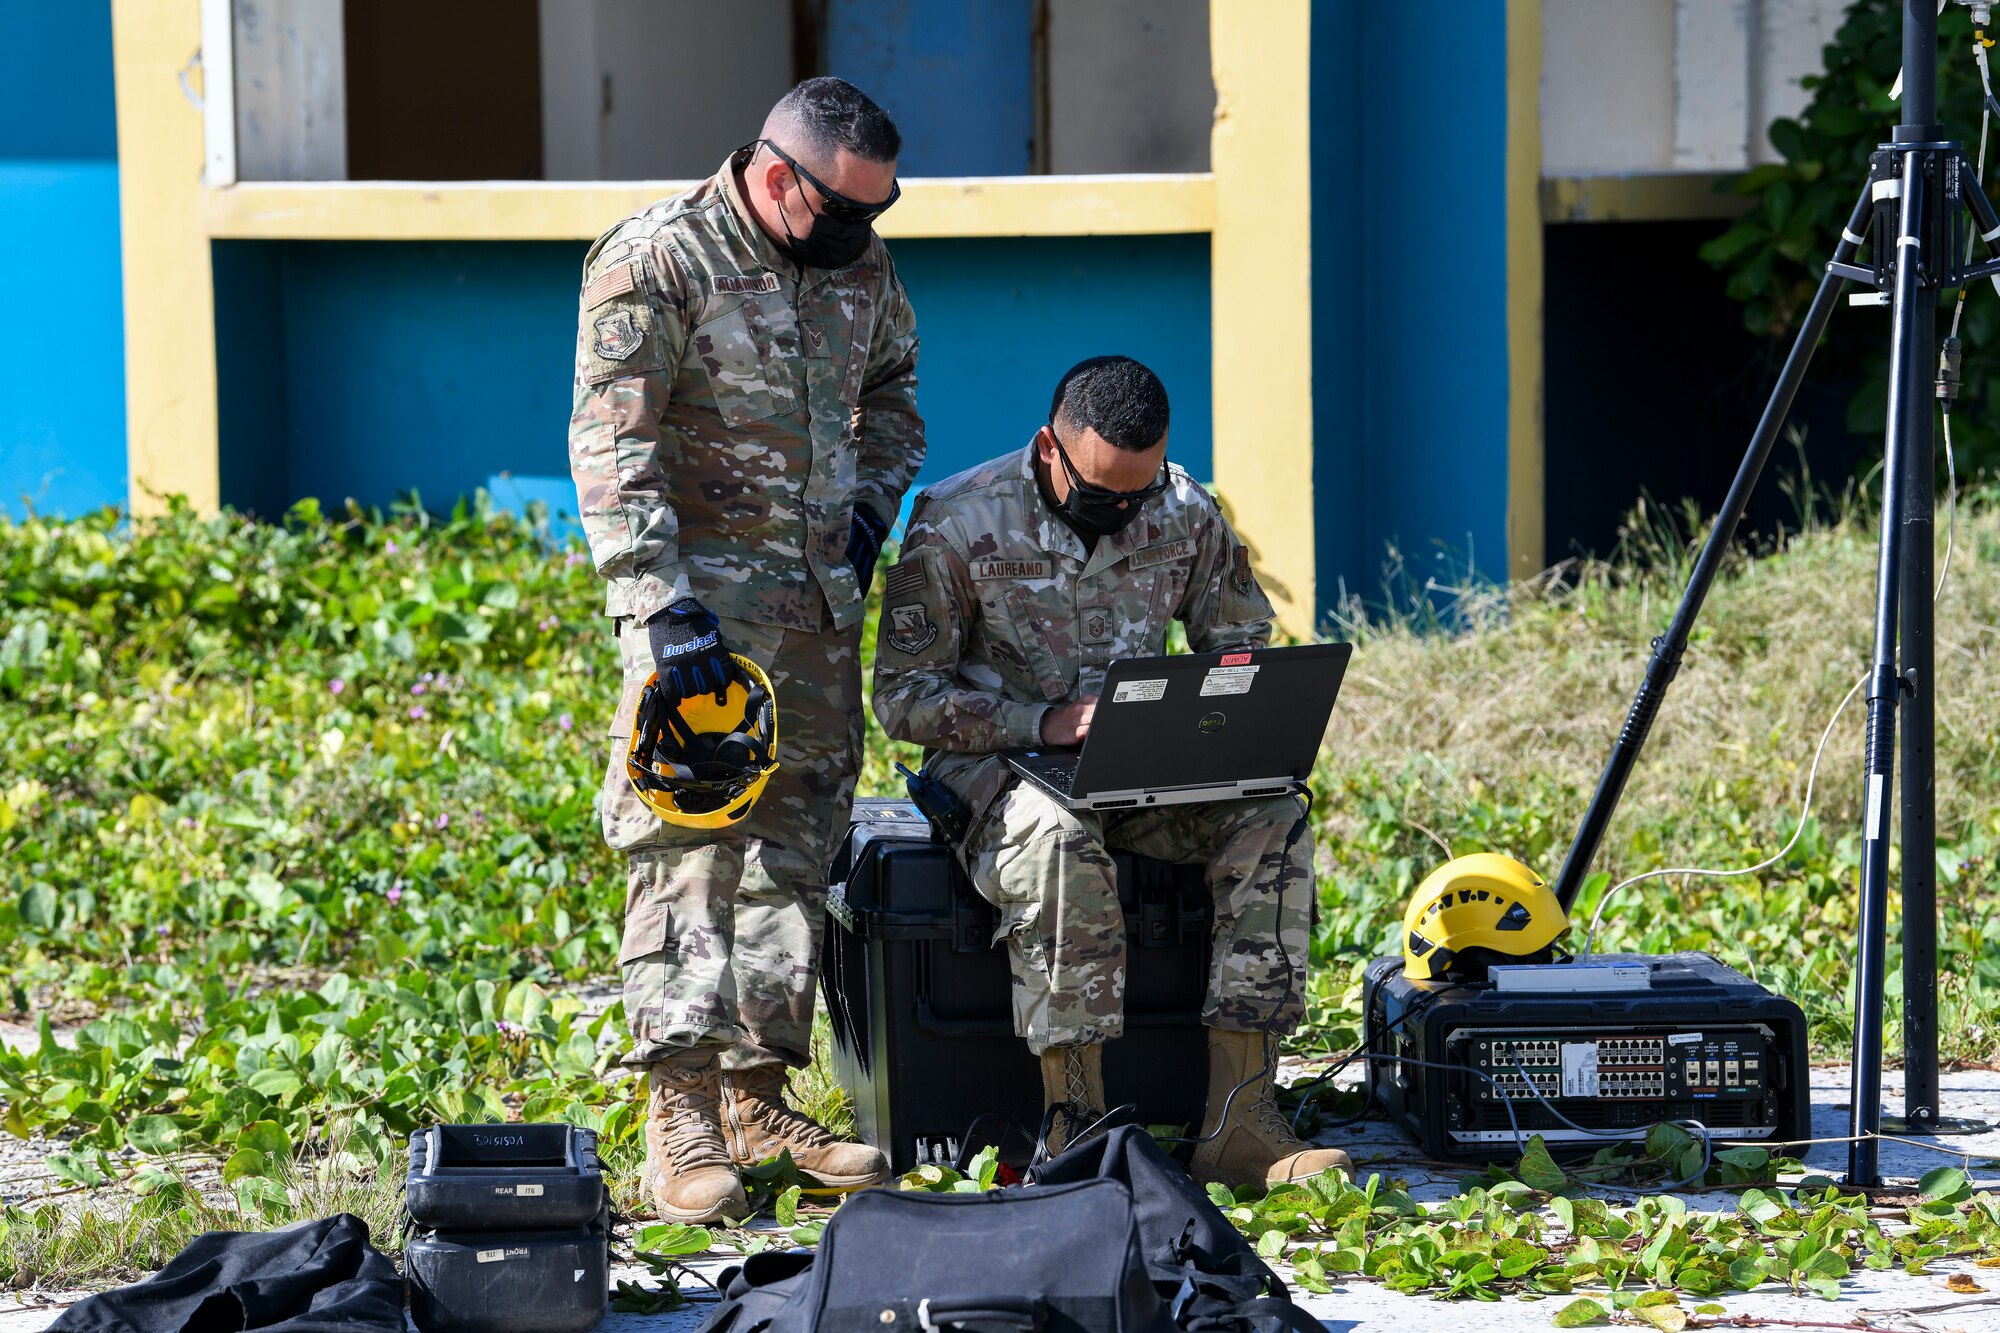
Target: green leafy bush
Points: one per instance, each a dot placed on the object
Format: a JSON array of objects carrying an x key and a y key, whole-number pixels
[
  {"x": 299, "y": 817},
  {"x": 1775, "y": 254}
]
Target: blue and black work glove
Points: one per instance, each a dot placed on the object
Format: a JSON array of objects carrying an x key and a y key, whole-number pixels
[
  {"x": 689, "y": 653},
  {"x": 864, "y": 545}
]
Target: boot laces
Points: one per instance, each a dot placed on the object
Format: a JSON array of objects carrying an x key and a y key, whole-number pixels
[
  {"x": 690, "y": 1131},
  {"x": 1271, "y": 1121},
  {"x": 781, "y": 1119},
  {"x": 1076, "y": 1088}
]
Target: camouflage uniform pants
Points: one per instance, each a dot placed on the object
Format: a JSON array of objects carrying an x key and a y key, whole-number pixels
[
  {"x": 1048, "y": 871},
  {"x": 722, "y": 927}
]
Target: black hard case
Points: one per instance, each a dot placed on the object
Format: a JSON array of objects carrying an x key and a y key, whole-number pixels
[
  {"x": 919, "y": 996},
  {"x": 1689, "y": 990},
  {"x": 509, "y": 1281},
  {"x": 504, "y": 1177}
]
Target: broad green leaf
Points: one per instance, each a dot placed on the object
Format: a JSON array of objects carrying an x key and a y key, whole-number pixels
[
  {"x": 265, "y": 1136},
  {"x": 1581, "y": 1313},
  {"x": 245, "y": 1163},
  {"x": 38, "y": 906},
  {"x": 1946, "y": 1184},
  {"x": 1759, "y": 1206},
  {"x": 1539, "y": 1170},
  {"x": 673, "y": 1239},
  {"x": 155, "y": 1135},
  {"x": 278, "y": 1083}
]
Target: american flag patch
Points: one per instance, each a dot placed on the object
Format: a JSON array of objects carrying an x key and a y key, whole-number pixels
[
  {"x": 907, "y": 579},
  {"x": 610, "y": 283}
]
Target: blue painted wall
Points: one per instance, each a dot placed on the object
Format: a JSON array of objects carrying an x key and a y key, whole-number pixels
[
  {"x": 1410, "y": 386},
  {"x": 364, "y": 369},
  {"x": 958, "y": 78},
  {"x": 62, "y": 335}
]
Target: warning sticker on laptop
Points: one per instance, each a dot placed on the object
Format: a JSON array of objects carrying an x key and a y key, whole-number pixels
[
  {"x": 1139, "y": 691},
  {"x": 1228, "y": 680}
]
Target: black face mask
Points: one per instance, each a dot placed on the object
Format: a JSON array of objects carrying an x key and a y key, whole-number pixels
[
  {"x": 1093, "y": 511},
  {"x": 832, "y": 242}
]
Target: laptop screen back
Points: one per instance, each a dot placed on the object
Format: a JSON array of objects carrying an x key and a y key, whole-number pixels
[{"x": 1211, "y": 718}]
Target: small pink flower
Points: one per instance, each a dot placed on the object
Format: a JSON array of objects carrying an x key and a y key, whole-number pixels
[
  {"x": 389, "y": 547},
  {"x": 161, "y": 930},
  {"x": 444, "y": 821},
  {"x": 506, "y": 1027},
  {"x": 547, "y": 623},
  {"x": 395, "y": 894},
  {"x": 417, "y": 713},
  {"x": 572, "y": 560},
  {"x": 336, "y": 686},
  {"x": 430, "y": 676},
  {"x": 565, "y": 721}
]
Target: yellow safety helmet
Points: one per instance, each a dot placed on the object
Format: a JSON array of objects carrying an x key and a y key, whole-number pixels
[
  {"x": 702, "y": 763},
  {"x": 1476, "y": 911}
]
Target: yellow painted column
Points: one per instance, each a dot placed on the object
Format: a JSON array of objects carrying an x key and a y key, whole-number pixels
[
  {"x": 170, "y": 399},
  {"x": 1261, "y": 275},
  {"x": 1526, "y": 473}
]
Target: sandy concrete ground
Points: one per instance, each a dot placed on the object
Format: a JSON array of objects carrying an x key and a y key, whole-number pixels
[{"x": 1869, "y": 1300}]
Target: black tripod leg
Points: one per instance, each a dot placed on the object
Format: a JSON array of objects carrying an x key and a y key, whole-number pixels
[
  {"x": 1667, "y": 649},
  {"x": 1918, "y": 789},
  {"x": 1911, "y": 341}
]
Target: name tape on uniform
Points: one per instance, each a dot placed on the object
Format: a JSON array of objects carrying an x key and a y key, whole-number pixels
[
  {"x": 738, "y": 282},
  {"x": 1139, "y": 691},
  {"x": 1229, "y": 680},
  {"x": 1010, "y": 569}
]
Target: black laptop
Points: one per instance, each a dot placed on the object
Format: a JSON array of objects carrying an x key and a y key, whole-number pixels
[{"x": 1196, "y": 727}]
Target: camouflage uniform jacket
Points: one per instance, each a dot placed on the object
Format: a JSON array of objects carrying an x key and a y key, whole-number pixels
[
  {"x": 731, "y": 409},
  {"x": 997, "y": 612}
]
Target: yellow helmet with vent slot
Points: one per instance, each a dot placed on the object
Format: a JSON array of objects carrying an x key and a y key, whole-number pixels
[
  {"x": 1476, "y": 911},
  {"x": 702, "y": 763}
]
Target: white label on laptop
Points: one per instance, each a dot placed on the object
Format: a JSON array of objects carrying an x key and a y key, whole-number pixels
[
  {"x": 1228, "y": 680},
  {"x": 1139, "y": 691}
]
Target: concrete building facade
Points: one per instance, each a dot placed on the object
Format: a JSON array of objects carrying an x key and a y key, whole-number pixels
[{"x": 1380, "y": 255}]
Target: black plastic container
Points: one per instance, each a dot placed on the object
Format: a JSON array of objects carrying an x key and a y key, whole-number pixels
[
  {"x": 921, "y": 1003},
  {"x": 508, "y": 1281},
  {"x": 504, "y": 1177}
]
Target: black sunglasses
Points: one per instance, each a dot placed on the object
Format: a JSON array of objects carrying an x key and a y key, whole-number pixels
[
  {"x": 833, "y": 203},
  {"x": 1101, "y": 493}
]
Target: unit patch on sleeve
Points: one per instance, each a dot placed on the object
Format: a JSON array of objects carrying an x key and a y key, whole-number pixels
[
  {"x": 1239, "y": 570},
  {"x": 911, "y": 629},
  {"x": 1010, "y": 569},
  {"x": 618, "y": 334}
]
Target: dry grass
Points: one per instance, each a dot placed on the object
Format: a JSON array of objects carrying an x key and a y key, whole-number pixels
[{"x": 1528, "y": 698}]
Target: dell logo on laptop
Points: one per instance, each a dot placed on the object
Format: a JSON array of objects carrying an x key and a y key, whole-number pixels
[{"x": 1210, "y": 724}]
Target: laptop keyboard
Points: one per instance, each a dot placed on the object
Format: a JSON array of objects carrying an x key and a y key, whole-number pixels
[{"x": 1059, "y": 773}]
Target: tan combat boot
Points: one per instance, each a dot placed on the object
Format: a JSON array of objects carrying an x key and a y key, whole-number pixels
[
  {"x": 688, "y": 1175},
  {"x": 758, "y": 1123},
  {"x": 1072, "y": 1077},
  {"x": 1251, "y": 1143}
]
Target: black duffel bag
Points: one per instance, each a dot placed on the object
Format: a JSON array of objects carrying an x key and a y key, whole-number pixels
[{"x": 1110, "y": 1237}]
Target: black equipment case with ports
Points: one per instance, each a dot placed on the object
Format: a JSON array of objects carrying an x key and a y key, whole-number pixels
[
  {"x": 921, "y": 998},
  {"x": 1699, "y": 1041}
]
